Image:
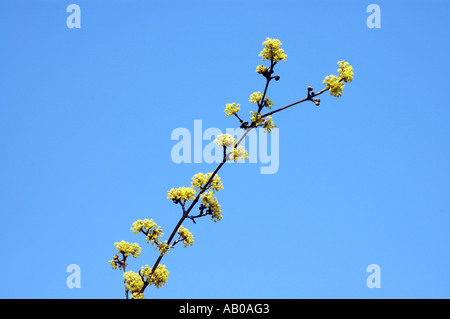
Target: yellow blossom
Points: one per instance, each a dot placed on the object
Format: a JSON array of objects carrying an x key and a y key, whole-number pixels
[
  {"x": 188, "y": 239},
  {"x": 268, "y": 125},
  {"x": 143, "y": 225},
  {"x": 133, "y": 281},
  {"x": 225, "y": 140},
  {"x": 182, "y": 193},
  {"x": 199, "y": 180},
  {"x": 238, "y": 153},
  {"x": 334, "y": 84},
  {"x": 256, "y": 118},
  {"x": 113, "y": 264},
  {"x": 149, "y": 228},
  {"x": 272, "y": 50},
  {"x": 261, "y": 69},
  {"x": 211, "y": 203},
  {"x": 128, "y": 249},
  {"x": 163, "y": 247},
  {"x": 232, "y": 108},
  {"x": 268, "y": 102},
  {"x": 154, "y": 234},
  {"x": 255, "y": 97},
  {"x": 159, "y": 278},
  {"x": 345, "y": 71}
]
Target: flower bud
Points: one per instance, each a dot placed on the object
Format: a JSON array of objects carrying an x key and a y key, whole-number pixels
[{"x": 310, "y": 88}]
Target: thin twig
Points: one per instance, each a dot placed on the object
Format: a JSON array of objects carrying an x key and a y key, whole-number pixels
[{"x": 295, "y": 103}]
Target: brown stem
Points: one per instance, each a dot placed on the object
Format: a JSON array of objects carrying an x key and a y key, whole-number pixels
[
  {"x": 124, "y": 260},
  {"x": 295, "y": 103},
  {"x": 270, "y": 71}
]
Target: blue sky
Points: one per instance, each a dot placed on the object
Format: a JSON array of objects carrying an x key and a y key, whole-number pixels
[{"x": 86, "y": 121}]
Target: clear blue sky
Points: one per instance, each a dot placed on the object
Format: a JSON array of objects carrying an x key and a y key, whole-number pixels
[{"x": 86, "y": 120}]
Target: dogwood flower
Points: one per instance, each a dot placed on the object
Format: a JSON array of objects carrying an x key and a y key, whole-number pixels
[
  {"x": 149, "y": 228},
  {"x": 128, "y": 249},
  {"x": 261, "y": 69},
  {"x": 182, "y": 193},
  {"x": 255, "y": 97},
  {"x": 345, "y": 71},
  {"x": 163, "y": 247},
  {"x": 211, "y": 203},
  {"x": 334, "y": 84},
  {"x": 272, "y": 50},
  {"x": 268, "y": 125},
  {"x": 159, "y": 278},
  {"x": 238, "y": 154},
  {"x": 133, "y": 281},
  {"x": 256, "y": 118},
  {"x": 225, "y": 140},
  {"x": 199, "y": 180},
  {"x": 232, "y": 108},
  {"x": 184, "y": 233}
]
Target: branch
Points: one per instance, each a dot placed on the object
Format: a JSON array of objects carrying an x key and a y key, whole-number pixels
[
  {"x": 206, "y": 186},
  {"x": 309, "y": 98}
]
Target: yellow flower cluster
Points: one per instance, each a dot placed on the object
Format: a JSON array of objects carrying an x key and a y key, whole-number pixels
[
  {"x": 199, "y": 180},
  {"x": 133, "y": 282},
  {"x": 159, "y": 278},
  {"x": 261, "y": 69},
  {"x": 256, "y": 118},
  {"x": 255, "y": 97},
  {"x": 153, "y": 233},
  {"x": 207, "y": 198},
  {"x": 238, "y": 153},
  {"x": 148, "y": 227},
  {"x": 268, "y": 102},
  {"x": 345, "y": 71},
  {"x": 210, "y": 202},
  {"x": 115, "y": 262},
  {"x": 128, "y": 249},
  {"x": 232, "y": 108},
  {"x": 143, "y": 225},
  {"x": 188, "y": 238},
  {"x": 225, "y": 140},
  {"x": 272, "y": 50},
  {"x": 163, "y": 247},
  {"x": 268, "y": 125},
  {"x": 182, "y": 193},
  {"x": 335, "y": 83}
]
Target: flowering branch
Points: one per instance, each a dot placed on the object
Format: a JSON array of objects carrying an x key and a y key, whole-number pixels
[{"x": 204, "y": 186}]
